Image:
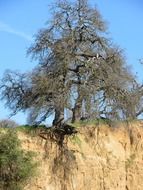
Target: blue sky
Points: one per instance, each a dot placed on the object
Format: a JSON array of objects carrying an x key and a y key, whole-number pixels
[{"x": 20, "y": 20}]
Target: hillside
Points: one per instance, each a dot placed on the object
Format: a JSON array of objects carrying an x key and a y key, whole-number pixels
[{"x": 98, "y": 158}]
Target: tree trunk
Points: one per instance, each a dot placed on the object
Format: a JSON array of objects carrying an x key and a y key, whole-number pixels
[
  {"x": 77, "y": 110},
  {"x": 59, "y": 117}
]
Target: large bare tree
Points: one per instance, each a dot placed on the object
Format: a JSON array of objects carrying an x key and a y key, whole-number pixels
[{"x": 79, "y": 70}]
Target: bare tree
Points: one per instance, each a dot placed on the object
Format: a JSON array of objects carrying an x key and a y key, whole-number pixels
[
  {"x": 71, "y": 39},
  {"x": 79, "y": 70},
  {"x": 8, "y": 123}
]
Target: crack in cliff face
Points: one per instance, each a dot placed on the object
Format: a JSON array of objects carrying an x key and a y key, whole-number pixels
[{"x": 103, "y": 182}]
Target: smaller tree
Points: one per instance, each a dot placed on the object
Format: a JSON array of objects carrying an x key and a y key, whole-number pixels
[
  {"x": 16, "y": 165},
  {"x": 8, "y": 123}
]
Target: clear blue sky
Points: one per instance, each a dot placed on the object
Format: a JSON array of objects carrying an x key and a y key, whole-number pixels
[{"x": 20, "y": 20}]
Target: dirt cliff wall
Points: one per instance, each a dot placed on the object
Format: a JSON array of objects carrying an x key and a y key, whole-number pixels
[{"x": 99, "y": 158}]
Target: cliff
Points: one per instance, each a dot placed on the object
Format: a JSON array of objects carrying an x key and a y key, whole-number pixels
[{"x": 98, "y": 158}]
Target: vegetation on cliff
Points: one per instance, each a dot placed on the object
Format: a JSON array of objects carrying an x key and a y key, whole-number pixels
[{"x": 16, "y": 165}]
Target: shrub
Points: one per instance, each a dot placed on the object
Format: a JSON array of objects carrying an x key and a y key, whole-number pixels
[
  {"x": 16, "y": 165},
  {"x": 8, "y": 123}
]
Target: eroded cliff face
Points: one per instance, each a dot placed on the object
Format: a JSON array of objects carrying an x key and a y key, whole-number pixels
[{"x": 99, "y": 158}]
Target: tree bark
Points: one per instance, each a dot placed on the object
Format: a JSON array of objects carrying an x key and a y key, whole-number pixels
[
  {"x": 59, "y": 117},
  {"x": 77, "y": 110}
]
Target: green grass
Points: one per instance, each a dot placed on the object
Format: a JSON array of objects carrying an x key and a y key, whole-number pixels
[
  {"x": 94, "y": 122},
  {"x": 76, "y": 140},
  {"x": 30, "y": 129}
]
